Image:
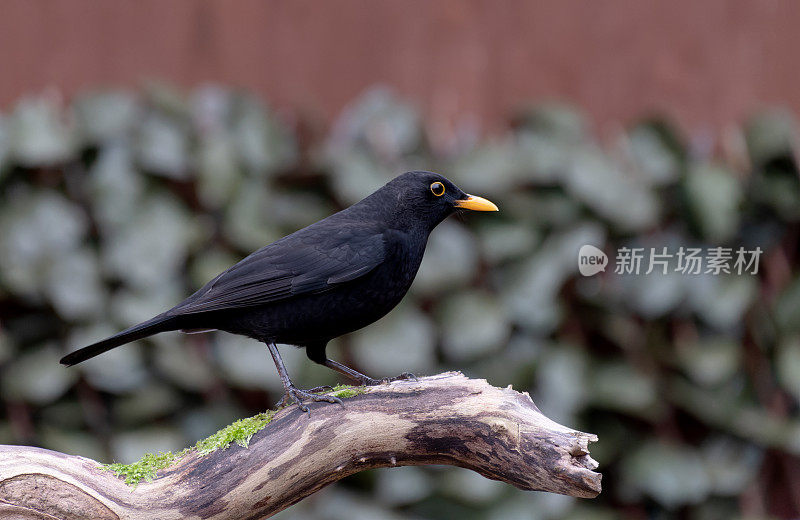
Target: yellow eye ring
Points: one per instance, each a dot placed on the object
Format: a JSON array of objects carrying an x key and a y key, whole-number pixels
[{"x": 437, "y": 188}]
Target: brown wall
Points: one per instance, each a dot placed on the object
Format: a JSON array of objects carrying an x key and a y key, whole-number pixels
[{"x": 706, "y": 63}]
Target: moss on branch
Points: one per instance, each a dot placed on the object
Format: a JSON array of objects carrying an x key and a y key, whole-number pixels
[{"x": 239, "y": 432}]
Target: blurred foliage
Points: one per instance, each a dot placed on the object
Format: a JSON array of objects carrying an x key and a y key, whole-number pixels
[{"x": 114, "y": 207}]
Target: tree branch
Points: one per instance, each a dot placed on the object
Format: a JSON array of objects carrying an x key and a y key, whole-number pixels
[{"x": 443, "y": 419}]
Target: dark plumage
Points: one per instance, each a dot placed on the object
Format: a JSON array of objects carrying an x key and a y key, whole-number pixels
[{"x": 330, "y": 278}]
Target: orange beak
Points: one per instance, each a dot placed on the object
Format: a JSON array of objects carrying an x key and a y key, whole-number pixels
[{"x": 476, "y": 204}]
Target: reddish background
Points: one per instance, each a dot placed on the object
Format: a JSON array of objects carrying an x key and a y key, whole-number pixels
[{"x": 705, "y": 64}]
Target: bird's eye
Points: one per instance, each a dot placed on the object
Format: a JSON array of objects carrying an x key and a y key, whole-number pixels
[{"x": 437, "y": 188}]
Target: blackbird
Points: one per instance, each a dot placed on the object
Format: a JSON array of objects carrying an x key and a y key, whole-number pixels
[{"x": 330, "y": 278}]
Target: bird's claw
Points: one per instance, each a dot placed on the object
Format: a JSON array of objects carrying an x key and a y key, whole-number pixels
[
  {"x": 323, "y": 388},
  {"x": 297, "y": 395},
  {"x": 404, "y": 376},
  {"x": 407, "y": 376}
]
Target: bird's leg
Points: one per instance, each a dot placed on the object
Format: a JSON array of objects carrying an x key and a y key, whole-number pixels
[
  {"x": 363, "y": 379},
  {"x": 292, "y": 393}
]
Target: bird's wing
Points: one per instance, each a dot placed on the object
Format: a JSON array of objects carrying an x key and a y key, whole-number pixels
[{"x": 301, "y": 263}]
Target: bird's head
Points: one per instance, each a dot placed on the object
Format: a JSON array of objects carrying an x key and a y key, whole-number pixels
[{"x": 425, "y": 198}]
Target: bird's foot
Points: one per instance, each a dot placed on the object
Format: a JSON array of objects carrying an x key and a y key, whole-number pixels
[
  {"x": 317, "y": 389},
  {"x": 297, "y": 395},
  {"x": 368, "y": 381}
]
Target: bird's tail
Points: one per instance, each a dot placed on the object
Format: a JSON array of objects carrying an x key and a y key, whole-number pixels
[{"x": 155, "y": 325}]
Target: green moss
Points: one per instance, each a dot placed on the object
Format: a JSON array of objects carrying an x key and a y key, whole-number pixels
[
  {"x": 345, "y": 391},
  {"x": 239, "y": 432},
  {"x": 144, "y": 468}
]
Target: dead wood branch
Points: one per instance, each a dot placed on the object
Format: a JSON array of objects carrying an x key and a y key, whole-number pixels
[{"x": 443, "y": 419}]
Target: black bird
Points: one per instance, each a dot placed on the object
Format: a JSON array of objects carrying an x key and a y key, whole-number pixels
[{"x": 330, "y": 278}]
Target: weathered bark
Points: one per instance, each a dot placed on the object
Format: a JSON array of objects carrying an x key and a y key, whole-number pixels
[{"x": 443, "y": 419}]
